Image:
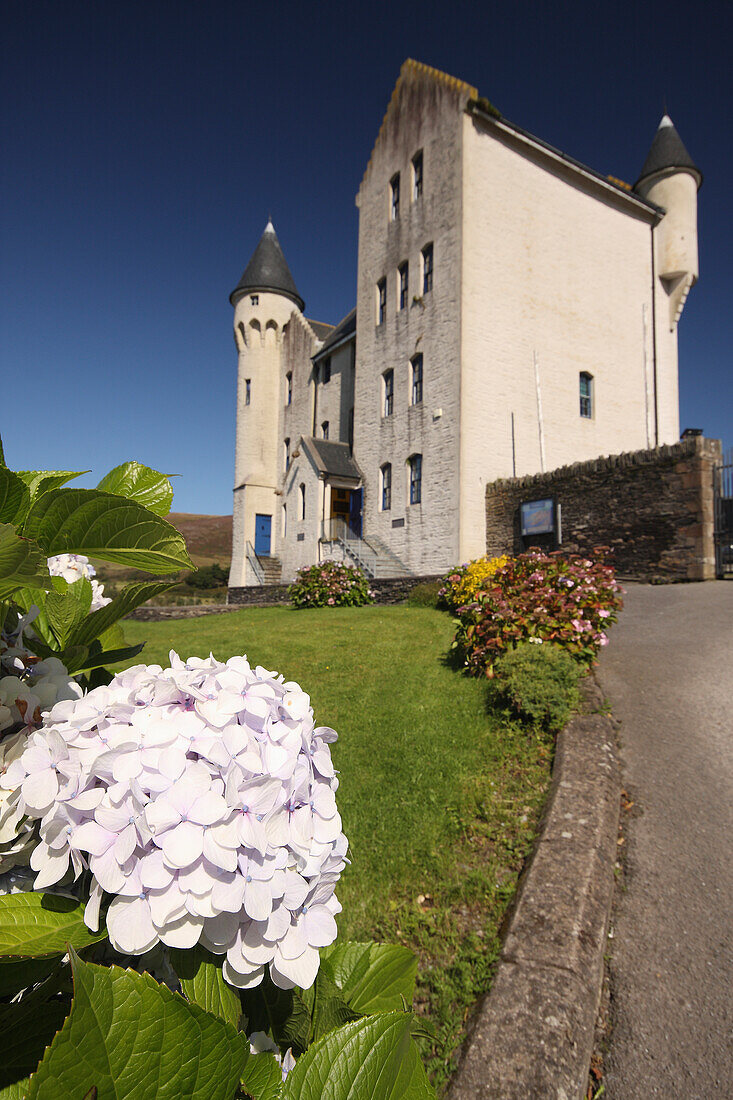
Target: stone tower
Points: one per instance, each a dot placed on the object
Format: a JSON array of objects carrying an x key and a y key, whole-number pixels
[
  {"x": 670, "y": 179},
  {"x": 264, "y": 300}
]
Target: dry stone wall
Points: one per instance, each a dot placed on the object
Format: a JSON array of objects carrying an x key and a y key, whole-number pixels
[{"x": 652, "y": 508}]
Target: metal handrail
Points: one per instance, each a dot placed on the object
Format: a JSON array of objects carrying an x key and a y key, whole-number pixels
[
  {"x": 255, "y": 564},
  {"x": 338, "y": 530}
]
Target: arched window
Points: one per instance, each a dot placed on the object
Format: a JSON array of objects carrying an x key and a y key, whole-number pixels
[
  {"x": 414, "y": 463},
  {"x": 285, "y": 520},
  {"x": 586, "y": 394},
  {"x": 302, "y": 501},
  {"x": 324, "y": 430},
  {"x": 386, "y": 480},
  {"x": 289, "y": 388},
  {"x": 286, "y": 454}
]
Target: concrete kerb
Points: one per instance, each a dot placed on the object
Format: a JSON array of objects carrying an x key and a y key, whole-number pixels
[{"x": 532, "y": 1035}]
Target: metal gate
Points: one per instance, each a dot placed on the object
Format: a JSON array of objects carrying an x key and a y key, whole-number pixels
[{"x": 723, "y": 502}]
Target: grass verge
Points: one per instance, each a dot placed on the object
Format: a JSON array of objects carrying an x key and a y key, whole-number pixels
[{"x": 439, "y": 798}]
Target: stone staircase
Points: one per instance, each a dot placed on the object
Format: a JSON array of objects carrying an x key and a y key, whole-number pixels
[
  {"x": 272, "y": 568},
  {"x": 387, "y": 563}
]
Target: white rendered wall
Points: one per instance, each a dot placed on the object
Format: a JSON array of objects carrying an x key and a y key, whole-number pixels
[{"x": 556, "y": 273}]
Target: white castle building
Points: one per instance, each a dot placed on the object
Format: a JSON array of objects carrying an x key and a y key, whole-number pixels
[{"x": 516, "y": 311}]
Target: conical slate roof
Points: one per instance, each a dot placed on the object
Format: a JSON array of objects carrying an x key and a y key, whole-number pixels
[
  {"x": 267, "y": 270},
  {"x": 667, "y": 151}
]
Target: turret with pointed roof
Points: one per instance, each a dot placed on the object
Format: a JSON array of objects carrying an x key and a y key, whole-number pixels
[
  {"x": 267, "y": 271},
  {"x": 667, "y": 151}
]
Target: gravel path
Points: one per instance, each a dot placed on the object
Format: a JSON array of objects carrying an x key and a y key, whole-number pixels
[{"x": 668, "y": 671}]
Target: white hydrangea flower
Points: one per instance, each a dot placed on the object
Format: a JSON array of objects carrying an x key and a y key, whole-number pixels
[
  {"x": 72, "y": 567},
  {"x": 202, "y": 799}
]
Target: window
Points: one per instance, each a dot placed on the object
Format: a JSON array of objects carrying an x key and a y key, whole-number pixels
[
  {"x": 327, "y": 370},
  {"x": 416, "y": 387},
  {"x": 586, "y": 394},
  {"x": 388, "y": 391},
  {"x": 381, "y": 301},
  {"x": 286, "y": 455},
  {"x": 247, "y": 390},
  {"x": 254, "y": 299},
  {"x": 415, "y": 464},
  {"x": 285, "y": 520},
  {"x": 404, "y": 283},
  {"x": 417, "y": 176},
  {"x": 394, "y": 208},
  {"x": 324, "y": 430},
  {"x": 302, "y": 501},
  {"x": 427, "y": 268},
  {"x": 289, "y": 388},
  {"x": 386, "y": 478}
]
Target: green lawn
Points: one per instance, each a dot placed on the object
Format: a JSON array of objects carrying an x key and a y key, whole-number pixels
[{"x": 439, "y": 799}]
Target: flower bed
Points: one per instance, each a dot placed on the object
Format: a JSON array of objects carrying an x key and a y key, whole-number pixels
[{"x": 330, "y": 584}]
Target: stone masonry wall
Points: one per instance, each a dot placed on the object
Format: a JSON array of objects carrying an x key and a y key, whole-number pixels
[{"x": 654, "y": 509}]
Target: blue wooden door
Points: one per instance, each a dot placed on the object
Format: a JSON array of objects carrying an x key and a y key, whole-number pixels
[{"x": 263, "y": 527}]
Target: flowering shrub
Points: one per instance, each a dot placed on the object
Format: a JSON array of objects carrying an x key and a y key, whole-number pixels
[
  {"x": 540, "y": 598},
  {"x": 462, "y": 584},
  {"x": 329, "y": 584},
  {"x": 202, "y": 799},
  {"x": 72, "y": 567}
]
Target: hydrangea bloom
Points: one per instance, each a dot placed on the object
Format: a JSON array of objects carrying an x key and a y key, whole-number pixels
[
  {"x": 72, "y": 567},
  {"x": 202, "y": 799}
]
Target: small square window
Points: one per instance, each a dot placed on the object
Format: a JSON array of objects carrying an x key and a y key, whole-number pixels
[
  {"x": 388, "y": 384},
  {"x": 327, "y": 370},
  {"x": 415, "y": 463},
  {"x": 394, "y": 188},
  {"x": 381, "y": 301},
  {"x": 586, "y": 395},
  {"x": 386, "y": 473},
  {"x": 247, "y": 390},
  {"x": 416, "y": 389},
  {"x": 404, "y": 284},
  {"x": 427, "y": 268},
  {"x": 416, "y": 176},
  {"x": 254, "y": 299}
]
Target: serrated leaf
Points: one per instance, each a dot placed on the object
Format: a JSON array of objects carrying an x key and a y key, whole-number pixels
[
  {"x": 328, "y": 1008},
  {"x": 27, "y": 1029},
  {"x": 374, "y": 1058},
  {"x": 42, "y": 481},
  {"x": 373, "y": 977},
  {"x": 22, "y": 563},
  {"x": 64, "y": 612},
  {"x": 103, "y": 525},
  {"x": 262, "y": 1078},
  {"x": 97, "y": 657},
  {"x": 137, "y": 482},
  {"x": 101, "y": 620},
  {"x": 133, "y": 1039},
  {"x": 14, "y": 496},
  {"x": 35, "y": 925},
  {"x": 280, "y": 1012},
  {"x": 203, "y": 983}
]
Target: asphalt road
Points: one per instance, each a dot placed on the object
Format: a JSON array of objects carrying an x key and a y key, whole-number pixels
[{"x": 668, "y": 672}]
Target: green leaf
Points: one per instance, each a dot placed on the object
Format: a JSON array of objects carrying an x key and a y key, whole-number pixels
[
  {"x": 39, "y": 482},
  {"x": 203, "y": 983},
  {"x": 370, "y": 1059},
  {"x": 34, "y": 925},
  {"x": 64, "y": 612},
  {"x": 14, "y": 496},
  {"x": 22, "y": 563},
  {"x": 84, "y": 659},
  {"x": 329, "y": 1008},
  {"x": 27, "y": 1028},
  {"x": 133, "y": 1039},
  {"x": 262, "y": 1078},
  {"x": 2, "y": 453},
  {"x": 106, "y": 526},
  {"x": 18, "y": 1091},
  {"x": 373, "y": 977},
  {"x": 137, "y": 482},
  {"x": 131, "y": 596},
  {"x": 282, "y": 1013}
]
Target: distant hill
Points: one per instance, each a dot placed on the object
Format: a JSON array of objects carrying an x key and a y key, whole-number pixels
[{"x": 208, "y": 538}]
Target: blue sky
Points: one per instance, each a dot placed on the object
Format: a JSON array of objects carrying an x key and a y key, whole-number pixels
[{"x": 145, "y": 144}]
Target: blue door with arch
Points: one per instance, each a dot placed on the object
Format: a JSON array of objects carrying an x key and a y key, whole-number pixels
[{"x": 263, "y": 530}]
